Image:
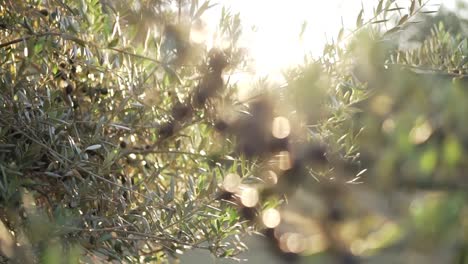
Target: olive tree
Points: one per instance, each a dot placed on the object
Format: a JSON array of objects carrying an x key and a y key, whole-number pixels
[
  {"x": 122, "y": 138},
  {"x": 109, "y": 145}
]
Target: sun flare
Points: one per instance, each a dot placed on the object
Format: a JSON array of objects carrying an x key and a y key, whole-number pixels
[{"x": 279, "y": 37}]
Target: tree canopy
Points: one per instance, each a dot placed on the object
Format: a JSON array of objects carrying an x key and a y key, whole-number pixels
[{"x": 123, "y": 138}]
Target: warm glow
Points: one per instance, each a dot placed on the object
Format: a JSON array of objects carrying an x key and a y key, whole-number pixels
[
  {"x": 271, "y": 218},
  {"x": 199, "y": 32},
  {"x": 272, "y": 29}
]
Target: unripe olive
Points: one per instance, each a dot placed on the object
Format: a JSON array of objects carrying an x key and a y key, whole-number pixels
[
  {"x": 180, "y": 111},
  {"x": 221, "y": 125},
  {"x": 104, "y": 91},
  {"x": 166, "y": 130},
  {"x": 69, "y": 89}
]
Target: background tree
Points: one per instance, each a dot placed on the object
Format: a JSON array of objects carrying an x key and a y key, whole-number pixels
[{"x": 400, "y": 108}]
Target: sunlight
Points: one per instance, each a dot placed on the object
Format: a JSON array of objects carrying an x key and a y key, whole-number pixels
[
  {"x": 144, "y": 131},
  {"x": 272, "y": 31},
  {"x": 274, "y": 36},
  {"x": 276, "y": 41}
]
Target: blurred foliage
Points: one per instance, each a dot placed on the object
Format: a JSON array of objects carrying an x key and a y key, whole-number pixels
[
  {"x": 122, "y": 138},
  {"x": 404, "y": 72}
]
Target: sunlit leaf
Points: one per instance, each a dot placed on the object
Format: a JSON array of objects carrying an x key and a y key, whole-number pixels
[
  {"x": 379, "y": 6},
  {"x": 94, "y": 147},
  {"x": 380, "y": 21},
  {"x": 359, "y": 20},
  {"x": 402, "y": 20},
  {"x": 303, "y": 29},
  {"x": 340, "y": 34},
  {"x": 413, "y": 5},
  {"x": 393, "y": 30},
  {"x": 395, "y": 9},
  {"x": 113, "y": 42}
]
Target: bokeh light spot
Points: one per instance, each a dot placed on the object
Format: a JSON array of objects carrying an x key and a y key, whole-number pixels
[
  {"x": 420, "y": 133},
  {"x": 281, "y": 127},
  {"x": 388, "y": 126},
  {"x": 270, "y": 177},
  {"x": 231, "y": 182},
  {"x": 295, "y": 243},
  {"x": 271, "y": 218},
  {"x": 249, "y": 197},
  {"x": 284, "y": 160},
  {"x": 381, "y": 104}
]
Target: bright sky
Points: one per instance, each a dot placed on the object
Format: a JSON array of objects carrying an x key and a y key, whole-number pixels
[{"x": 275, "y": 42}]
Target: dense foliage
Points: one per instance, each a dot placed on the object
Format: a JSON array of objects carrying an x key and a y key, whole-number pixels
[
  {"x": 108, "y": 146},
  {"x": 122, "y": 138}
]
